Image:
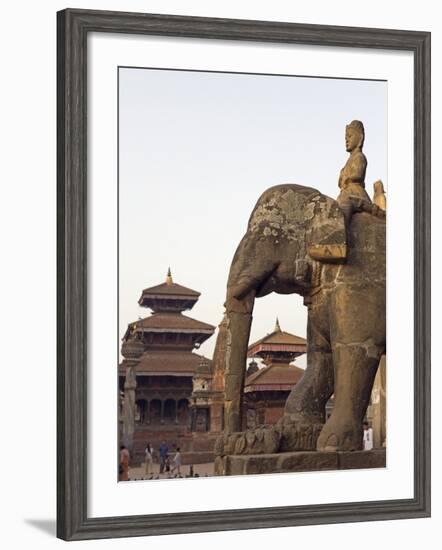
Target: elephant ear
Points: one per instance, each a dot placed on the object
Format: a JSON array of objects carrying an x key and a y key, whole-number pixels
[{"x": 326, "y": 236}]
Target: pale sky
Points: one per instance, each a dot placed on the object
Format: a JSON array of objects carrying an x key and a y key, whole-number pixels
[{"x": 196, "y": 150}]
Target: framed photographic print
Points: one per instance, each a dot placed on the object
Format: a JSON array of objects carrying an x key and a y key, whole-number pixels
[{"x": 230, "y": 277}]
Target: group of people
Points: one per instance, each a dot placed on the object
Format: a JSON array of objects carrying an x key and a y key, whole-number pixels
[{"x": 167, "y": 465}]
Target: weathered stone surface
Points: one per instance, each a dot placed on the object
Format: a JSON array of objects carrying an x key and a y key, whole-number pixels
[
  {"x": 298, "y": 436},
  {"x": 279, "y": 463},
  {"x": 300, "y": 461},
  {"x": 264, "y": 439},
  {"x": 307, "y": 461},
  {"x": 362, "y": 459},
  {"x": 197, "y": 457},
  {"x": 333, "y": 254},
  {"x": 285, "y": 435}
]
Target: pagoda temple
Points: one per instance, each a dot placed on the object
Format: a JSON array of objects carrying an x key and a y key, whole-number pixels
[
  {"x": 156, "y": 376},
  {"x": 266, "y": 389}
]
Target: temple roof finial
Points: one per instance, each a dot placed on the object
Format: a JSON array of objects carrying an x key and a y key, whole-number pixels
[
  {"x": 277, "y": 326},
  {"x": 169, "y": 279}
]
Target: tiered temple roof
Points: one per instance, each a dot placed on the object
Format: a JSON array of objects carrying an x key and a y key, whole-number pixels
[
  {"x": 173, "y": 322},
  {"x": 168, "y": 336},
  {"x": 168, "y": 296},
  {"x": 274, "y": 378},
  {"x": 172, "y": 363},
  {"x": 277, "y": 350},
  {"x": 277, "y": 343}
]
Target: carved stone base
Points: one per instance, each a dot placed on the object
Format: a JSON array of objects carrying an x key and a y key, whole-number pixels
[
  {"x": 286, "y": 435},
  {"x": 298, "y": 461},
  {"x": 261, "y": 440}
]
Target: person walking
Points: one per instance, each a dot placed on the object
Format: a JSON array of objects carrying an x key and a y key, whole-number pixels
[
  {"x": 123, "y": 471},
  {"x": 177, "y": 463},
  {"x": 148, "y": 458},
  {"x": 368, "y": 437},
  {"x": 167, "y": 465},
  {"x": 164, "y": 450}
]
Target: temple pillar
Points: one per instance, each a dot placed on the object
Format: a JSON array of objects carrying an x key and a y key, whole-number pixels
[
  {"x": 148, "y": 411},
  {"x": 130, "y": 385},
  {"x": 162, "y": 412},
  {"x": 176, "y": 411},
  {"x": 193, "y": 419},
  {"x": 217, "y": 386}
]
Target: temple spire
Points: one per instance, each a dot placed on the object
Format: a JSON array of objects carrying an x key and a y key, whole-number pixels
[
  {"x": 169, "y": 280},
  {"x": 277, "y": 326}
]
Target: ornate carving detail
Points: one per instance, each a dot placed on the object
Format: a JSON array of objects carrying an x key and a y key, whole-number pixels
[
  {"x": 299, "y": 437},
  {"x": 262, "y": 440},
  {"x": 286, "y": 435}
]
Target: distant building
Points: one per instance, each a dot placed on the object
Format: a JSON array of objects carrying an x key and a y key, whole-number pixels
[
  {"x": 266, "y": 389},
  {"x": 157, "y": 372}
]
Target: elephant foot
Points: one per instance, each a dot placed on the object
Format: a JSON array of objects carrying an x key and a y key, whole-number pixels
[
  {"x": 261, "y": 440},
  {"x": 290, "y": 433},
  {"x": 298, "y": 433},
  {"x": 340, "y": 435}
]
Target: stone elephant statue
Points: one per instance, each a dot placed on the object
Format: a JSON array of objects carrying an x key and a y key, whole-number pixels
[{"x": 298, "y": 241}]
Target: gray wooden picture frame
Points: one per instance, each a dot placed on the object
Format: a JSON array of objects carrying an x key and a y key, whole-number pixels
[{"x": 73, "y": 28}]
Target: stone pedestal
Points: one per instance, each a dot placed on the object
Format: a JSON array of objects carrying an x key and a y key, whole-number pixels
[{"x": 299, "y": 461}]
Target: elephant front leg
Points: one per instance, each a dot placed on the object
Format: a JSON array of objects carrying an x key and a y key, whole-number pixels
[
  {"x": 265, "y": 439},
  {"x": 355, "y": 370},
  {"x": 238, "y": 323},
  {"x": 251, "y": 267}
]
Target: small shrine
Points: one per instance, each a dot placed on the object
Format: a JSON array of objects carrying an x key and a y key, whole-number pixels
[{"x": 266, "y": 389}]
